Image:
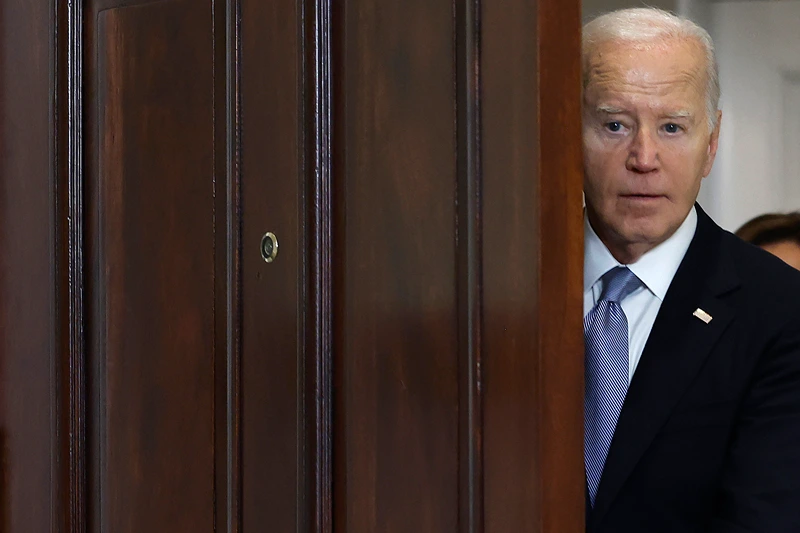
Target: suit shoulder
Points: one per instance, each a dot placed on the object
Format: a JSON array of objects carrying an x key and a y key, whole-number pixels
[{"x": 764, "y": 273}]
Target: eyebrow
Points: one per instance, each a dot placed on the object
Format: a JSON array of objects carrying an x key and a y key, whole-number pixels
[
  {"x": 681, "y": 113},
  {"x": 611, "y": 110}
]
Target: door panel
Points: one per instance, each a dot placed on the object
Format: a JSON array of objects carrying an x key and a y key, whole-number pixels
[
  {"x": 532, "y": 267},
  {"x": 29, "y": 280},
  {"x": 152, "y": 336},
  {"x": 410, "y": 360},
  {"x": 272, "y": 367},
  {"x": 398, "y": 449}
]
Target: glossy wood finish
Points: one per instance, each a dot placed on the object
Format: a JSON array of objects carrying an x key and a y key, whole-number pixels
[
  {"x": 560, "y": 318},
  {"x": 228, "y": 273},
  {"x": 532, "y": 261},
  {"x": 469, "y": 276},
  {"x": 511, "y": 263},
  {"x": 399, "y": 404},
  {"x": 412, "y": 359},
  {"x": 151, "y": 340},
  {"x": 72, "y": 317},
  {"x": 321, "y": 200},
  {"x": 29, "y": 283},
  {"x": 459, "y": 352},
  {"x": 162, "y": 217},
  {"x": 273, "y": 198}
]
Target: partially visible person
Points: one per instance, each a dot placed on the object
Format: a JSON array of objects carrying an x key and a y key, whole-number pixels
[
  {"x": 692, "y": 337},
  {"x": 777, "y": 233}
]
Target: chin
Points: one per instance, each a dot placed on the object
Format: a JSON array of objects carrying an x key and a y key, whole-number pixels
[{"x": 643, "y": 232}]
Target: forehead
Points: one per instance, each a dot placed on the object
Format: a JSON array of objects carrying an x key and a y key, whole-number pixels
[{"x": 662, "y": 71}]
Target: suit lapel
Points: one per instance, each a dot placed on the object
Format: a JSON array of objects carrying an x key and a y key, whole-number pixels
[{"x": 675, "y": 351}]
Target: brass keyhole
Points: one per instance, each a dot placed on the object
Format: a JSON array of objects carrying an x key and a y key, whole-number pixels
[{"x": 269, "y": 247}]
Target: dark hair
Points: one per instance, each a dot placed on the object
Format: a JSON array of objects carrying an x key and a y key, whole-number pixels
[{"x": 771, "y": 228}]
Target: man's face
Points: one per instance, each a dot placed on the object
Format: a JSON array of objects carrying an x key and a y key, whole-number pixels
[{"x": 647, "y": 144}]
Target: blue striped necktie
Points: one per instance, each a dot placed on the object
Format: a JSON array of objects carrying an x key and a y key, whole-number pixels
[{"x": 605, "y": 331}]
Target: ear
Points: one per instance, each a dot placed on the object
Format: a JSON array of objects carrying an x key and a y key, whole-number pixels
[{"x": 713, "y": 144}]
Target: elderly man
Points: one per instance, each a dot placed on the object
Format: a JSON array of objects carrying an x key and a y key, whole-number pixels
[{"x": 692, "y": 407}]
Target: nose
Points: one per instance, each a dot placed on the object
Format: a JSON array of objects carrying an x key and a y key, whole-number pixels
[{"x": 643, "y": 155}]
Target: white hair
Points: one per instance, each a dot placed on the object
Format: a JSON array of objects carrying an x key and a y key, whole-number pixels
[{"x": 650, "y": 25}]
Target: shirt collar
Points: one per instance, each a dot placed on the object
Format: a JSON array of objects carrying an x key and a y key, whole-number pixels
[{"x": 655, "y": 268}]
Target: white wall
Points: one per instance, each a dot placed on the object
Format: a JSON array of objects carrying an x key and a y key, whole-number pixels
[
  {"x": 697, "y": 10},
  {"x": 758, "y": 164},
  {"x": 700, "y": 12}
]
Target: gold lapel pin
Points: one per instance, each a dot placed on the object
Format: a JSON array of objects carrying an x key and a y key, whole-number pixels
[{"x": 702, "y": 315}]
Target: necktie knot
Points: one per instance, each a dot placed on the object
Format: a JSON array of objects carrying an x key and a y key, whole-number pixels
[{"x": 618, "y": 283}]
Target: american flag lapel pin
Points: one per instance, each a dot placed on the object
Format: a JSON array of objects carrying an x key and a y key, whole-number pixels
[{"x": 702, "y": 315}]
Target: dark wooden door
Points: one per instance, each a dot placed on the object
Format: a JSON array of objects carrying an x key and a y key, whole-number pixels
[{"x": 410, "y": 360}]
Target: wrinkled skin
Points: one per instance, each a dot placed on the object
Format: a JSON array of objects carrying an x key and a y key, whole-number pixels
[{"x": 647, "y": 141}]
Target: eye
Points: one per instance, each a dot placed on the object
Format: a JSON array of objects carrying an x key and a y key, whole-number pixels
[
  {"x": 672, "y": 128},
  {"x": 614, "y": 126}
]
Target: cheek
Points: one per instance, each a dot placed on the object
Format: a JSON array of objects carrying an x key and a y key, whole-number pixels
[
  {"x": 685, "y": 163},
  {"x": 593, "y": 171},
  {"x": 601, "y": 163},
  {"x": 595, "y": 143}
]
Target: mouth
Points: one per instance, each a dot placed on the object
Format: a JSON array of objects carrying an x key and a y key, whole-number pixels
[{"x": 642, "y": 197}]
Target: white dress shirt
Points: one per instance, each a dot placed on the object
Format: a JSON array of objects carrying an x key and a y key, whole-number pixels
[{"x": 655, "y": 269}]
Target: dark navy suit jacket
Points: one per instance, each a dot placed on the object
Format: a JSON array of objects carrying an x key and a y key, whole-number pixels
[{"x": 708, "y": 439}]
